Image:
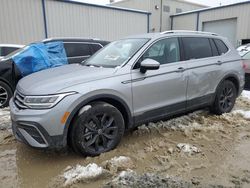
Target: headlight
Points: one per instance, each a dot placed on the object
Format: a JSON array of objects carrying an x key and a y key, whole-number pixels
[{"x": 44, "y": 102}]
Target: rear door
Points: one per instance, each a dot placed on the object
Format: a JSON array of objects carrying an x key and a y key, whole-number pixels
[
  {"x": 204, "y": 70},
  {"x": 77, "y": 51},
  {"x": 161, "y": 92}
]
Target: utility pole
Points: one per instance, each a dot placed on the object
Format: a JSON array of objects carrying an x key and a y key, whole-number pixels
[{"x": 161, "y": 16}]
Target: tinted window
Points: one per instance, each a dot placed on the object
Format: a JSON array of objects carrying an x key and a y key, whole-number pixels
[
  {"x": 214, "y": 48},
  {"x": 77, "y": 49},
  {"x": 196, "y": 47},
  {"x": 96, "y": 47},
  {"x": 164, "y": 51},
  {"x": 222, "y": 48},
  {"x": 7, "y": 50}
]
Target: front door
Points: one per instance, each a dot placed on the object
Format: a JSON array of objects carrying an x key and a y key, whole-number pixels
[{"x": 161, "y": 92}]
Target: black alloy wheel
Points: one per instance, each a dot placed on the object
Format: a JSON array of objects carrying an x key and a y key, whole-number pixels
[
  {"x": 225, "y": 98},
  {"x": 98, "y": 129}
]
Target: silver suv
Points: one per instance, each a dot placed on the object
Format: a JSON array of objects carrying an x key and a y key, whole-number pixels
[{"x": 129, "y": 82}]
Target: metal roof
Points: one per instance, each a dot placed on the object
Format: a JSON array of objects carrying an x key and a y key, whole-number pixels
[
  {"x": 105, "y": 6},
  {"x": 181, "y": 1},
  {"x": 210, "y": 8}
]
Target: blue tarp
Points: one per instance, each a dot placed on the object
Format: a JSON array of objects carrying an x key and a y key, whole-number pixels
[{"x": 40, "y": 56}]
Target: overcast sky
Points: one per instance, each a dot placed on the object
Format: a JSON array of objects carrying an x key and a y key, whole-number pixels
[{"x": 205, "y": 2}]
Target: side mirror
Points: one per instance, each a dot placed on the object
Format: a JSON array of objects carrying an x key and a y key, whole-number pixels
[{"x": 149, "y": 64}]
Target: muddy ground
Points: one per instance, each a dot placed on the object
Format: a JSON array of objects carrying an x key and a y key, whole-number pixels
[{"x": 194, "y": 150}]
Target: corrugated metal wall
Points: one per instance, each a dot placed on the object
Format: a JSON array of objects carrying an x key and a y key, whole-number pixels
[
  {"x": 185, "y": 23},
  {"x": 239, "y": 11},
  {"x": 149, "y": 5},
  {"x": 66, "y": 19},
  {"x": 22, "y": 21}
]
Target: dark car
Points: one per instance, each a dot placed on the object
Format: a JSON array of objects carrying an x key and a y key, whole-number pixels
[
  {"x": 77, "y": 50},
  {"x": 6, "y": 49}
]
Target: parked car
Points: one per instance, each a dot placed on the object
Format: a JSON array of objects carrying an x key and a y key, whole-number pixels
[
  {"x": 77, "y": 50},
  {"x": 6, "y": 49},
  {"x": 243, "y": 48},
  {"x": 245, "y": 54},
  {"x": 129, "y": 82}
]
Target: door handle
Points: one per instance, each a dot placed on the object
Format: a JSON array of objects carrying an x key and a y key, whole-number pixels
[
  {"x": 219, "y": 62},
  {"x": 180, "y": 69}
]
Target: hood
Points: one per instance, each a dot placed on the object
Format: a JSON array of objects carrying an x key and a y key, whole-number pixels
[{"x": 55, "y": 79}]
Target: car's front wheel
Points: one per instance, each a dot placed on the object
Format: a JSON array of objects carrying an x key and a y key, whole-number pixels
[
  {"x": 98, "y": 128},
  {"x": 225, "y": 98},
  {"x": 5, "y": 94}
]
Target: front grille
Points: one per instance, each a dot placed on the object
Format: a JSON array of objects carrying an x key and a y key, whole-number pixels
[
  {"x": 19, "y": 101},
  {"x": 32, "y": 131}
]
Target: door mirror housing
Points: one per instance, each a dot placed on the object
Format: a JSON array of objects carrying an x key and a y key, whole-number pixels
[{"x": 149, "y": 64}]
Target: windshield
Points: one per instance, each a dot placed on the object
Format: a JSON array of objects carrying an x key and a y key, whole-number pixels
[{"x": 116, "y": 53}]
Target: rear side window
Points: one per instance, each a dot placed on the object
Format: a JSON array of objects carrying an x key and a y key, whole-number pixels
[
  {"x": 214, "y": 48},
  {"x": 222, "y": 48},
  {"x": 77, "y": 49},
  {"x": 196, "y": 47},
  {"x": 7, "y": 50},
  {"x": 96, "y": 47}
]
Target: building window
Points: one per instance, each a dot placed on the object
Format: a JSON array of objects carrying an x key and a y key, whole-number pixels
[
  {"x": 166, "y": 8},
  {"x": 178, "y": 10}
]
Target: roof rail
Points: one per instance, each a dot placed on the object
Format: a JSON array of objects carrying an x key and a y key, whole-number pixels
[{"x": 187, "y": 31}]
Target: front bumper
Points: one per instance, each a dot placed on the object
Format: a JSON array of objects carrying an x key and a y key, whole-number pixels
[
  {"x": 41, "y": 128},
  {"x": 33, "y": 134}
]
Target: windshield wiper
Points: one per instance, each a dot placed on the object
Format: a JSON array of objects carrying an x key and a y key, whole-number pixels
[{"x": 90, "y": 65}]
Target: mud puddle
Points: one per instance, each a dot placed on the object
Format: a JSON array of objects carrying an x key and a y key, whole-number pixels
[{"x": 199, "y": 148}]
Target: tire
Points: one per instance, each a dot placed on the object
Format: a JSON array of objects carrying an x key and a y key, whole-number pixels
[
  {"x": 5, "y": 94},
  {"x": 98, "y": 129},
  {"x": 225, "y": 98}
]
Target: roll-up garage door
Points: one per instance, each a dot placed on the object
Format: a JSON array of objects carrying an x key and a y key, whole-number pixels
[{"x": 226, "y": 28}]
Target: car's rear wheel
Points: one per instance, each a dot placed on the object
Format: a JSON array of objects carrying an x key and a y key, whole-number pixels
[
  {"x": 225, "y": 98},
  {"x": 97, "y": 129},
  {"x": 5, "y": 94}
]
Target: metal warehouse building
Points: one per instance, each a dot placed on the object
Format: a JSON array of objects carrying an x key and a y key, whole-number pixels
[
  {"x": 231, "y": 21},
  {"x": 24, "y": 21},
  {"x": 160, "y": 9}
]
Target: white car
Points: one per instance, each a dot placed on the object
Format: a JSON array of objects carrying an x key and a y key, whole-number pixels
[
  {"x": 6, "y": 49},
  {"x": 244, "y": 52}
]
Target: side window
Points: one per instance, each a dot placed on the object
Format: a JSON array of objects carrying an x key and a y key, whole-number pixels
[
  {"x": 77, "y": 49},
  {"x": 7, "y": 50},
  {"x": 222, "y": 48},
  {"x": 214, "y": 48},
  {"x": 196, "y": 47},
  {"x": 164, "y": 51},
  {"x": 96, "y": 47}
]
